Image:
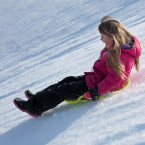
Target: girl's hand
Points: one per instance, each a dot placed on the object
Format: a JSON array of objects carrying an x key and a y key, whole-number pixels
[
  {"x": 91, "y": 94},
  {"x": 87, "y": 96}
]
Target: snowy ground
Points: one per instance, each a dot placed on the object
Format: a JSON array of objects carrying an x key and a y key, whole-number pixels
[{"x": 41, "y": 42}]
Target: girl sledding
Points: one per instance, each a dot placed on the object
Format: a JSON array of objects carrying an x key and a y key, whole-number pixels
[{"x": 110, "y": 72}]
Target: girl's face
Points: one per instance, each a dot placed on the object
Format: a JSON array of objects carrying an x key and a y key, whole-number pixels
[{"x": 107, "y": 40}]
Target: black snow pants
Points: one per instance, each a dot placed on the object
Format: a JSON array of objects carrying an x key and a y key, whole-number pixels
[{"x": 70, "y": 87}]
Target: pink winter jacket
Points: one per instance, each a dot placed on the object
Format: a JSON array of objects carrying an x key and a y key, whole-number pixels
[{"x": 109, "y": 80}]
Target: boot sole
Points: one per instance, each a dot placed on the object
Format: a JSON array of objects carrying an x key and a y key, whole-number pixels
[
  {"x": 27, "y": 95},
  {"x": 24, "y": 110}
]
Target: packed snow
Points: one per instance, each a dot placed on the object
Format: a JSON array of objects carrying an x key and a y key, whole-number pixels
[{"x": 43, "y": 41}]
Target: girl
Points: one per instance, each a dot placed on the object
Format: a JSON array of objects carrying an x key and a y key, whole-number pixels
[{"x": 110, "y": 72}]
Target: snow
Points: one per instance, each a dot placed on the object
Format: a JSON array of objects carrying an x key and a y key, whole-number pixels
[{"x": 41, "y": 42}]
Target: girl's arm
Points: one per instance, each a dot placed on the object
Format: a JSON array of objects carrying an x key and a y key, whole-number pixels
[{"x": 111, "y": 83}]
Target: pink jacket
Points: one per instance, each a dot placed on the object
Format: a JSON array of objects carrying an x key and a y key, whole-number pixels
[{"x": 110, "y": 81}]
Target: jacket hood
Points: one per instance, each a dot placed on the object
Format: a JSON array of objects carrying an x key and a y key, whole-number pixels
[{"x": 133, "y": 48}]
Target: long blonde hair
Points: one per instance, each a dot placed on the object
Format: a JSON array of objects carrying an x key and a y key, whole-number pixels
[{"x": 121, "y": 35}]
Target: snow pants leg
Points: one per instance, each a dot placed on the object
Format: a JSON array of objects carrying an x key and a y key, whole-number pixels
[
  {"x": 66, "y": 80},
  {"x": 70, "y": 87}
]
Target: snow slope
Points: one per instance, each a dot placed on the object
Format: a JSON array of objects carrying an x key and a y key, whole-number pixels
[{"x": 43, "y": 41}]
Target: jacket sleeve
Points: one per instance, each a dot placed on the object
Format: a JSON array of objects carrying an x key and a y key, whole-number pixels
[{"x": 111, "y": 82}]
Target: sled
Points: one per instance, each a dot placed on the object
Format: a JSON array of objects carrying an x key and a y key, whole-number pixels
[{"x": 109, "y": 94}]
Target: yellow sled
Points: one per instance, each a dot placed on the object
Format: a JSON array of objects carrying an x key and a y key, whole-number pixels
[{"x": 109, "y": 94}]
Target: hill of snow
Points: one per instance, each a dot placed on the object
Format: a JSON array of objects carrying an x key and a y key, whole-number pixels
[{"x": 43, "y": 41}]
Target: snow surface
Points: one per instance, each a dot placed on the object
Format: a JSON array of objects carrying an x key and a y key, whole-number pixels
[{"x": 43, "y": 41}]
